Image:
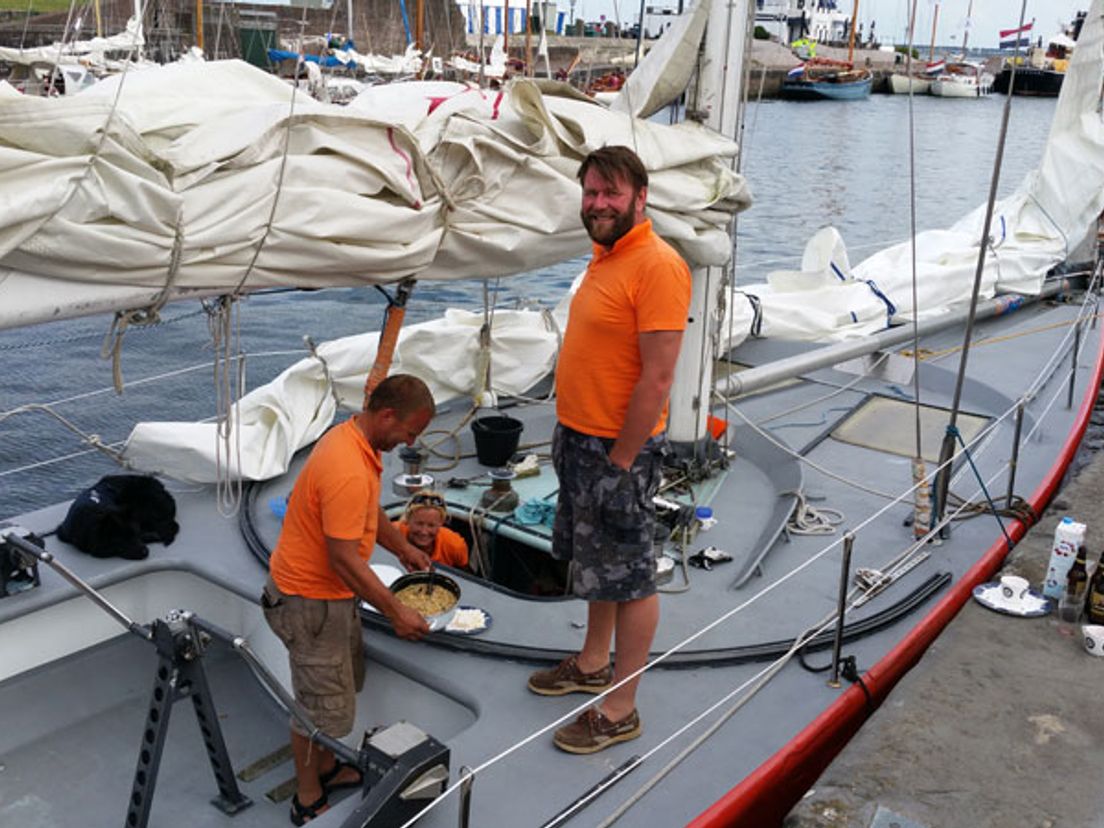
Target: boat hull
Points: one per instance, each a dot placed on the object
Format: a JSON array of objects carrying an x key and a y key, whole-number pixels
[
  {"x": 1043, "y": 83},
  {"x": 803, "y": 90},
  {"x": 899, "y": 85},
  {"x": 957, "y": 89}
]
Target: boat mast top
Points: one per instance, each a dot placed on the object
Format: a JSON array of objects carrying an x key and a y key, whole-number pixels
[
  {"x": 935, "y": 21},
  {"x": 966, "y": 34},
  {"x": 851, "y": 39}
]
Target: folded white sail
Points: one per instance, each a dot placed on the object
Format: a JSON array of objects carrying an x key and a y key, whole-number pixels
[
  {"x": 91, "y": 50},
  {"x": 210, "y": 178},
  {"x": 277, "y": 419}
]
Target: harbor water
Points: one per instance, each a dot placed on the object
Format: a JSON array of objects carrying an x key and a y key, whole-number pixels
[{"x": 808, "y": 165}]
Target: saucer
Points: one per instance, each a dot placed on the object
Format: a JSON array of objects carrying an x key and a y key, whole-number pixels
[{"x": 1032, "y": 605}]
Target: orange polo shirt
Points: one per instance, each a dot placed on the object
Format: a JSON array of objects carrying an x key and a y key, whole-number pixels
[
  {"x": 640, "y": 286},
  {"x": 449, "y": 547},
  {"x": 336, "y": 495}
]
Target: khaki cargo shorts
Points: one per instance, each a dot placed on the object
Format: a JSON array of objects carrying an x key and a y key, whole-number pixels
[{"x": 326, "y": 654}]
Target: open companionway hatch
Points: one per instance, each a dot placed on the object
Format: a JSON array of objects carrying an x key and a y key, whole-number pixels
[{"x": 889, "y": 425}]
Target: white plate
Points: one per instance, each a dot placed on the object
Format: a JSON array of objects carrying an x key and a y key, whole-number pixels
[
  {"x": 483, "y": 626},
  {"x": 989, "y": 596}
]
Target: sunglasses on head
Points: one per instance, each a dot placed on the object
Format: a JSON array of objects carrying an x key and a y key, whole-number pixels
[{"x": 428, "y": 500}]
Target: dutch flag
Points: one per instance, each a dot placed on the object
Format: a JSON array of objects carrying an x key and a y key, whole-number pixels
[
  {"x": 1014, "y": 38},
  {"x": 935, "y": 68},
  {"x": 796, "y": 72}
]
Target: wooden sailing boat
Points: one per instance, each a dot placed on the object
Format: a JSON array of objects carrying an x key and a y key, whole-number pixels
[
  {"x": 826, "y": 79},
  {"x": 918, "y": 82},
  {"x": 963, "y": 78}
]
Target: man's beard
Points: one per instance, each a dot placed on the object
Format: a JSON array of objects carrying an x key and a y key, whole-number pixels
[{"x": 608, "y": 235}]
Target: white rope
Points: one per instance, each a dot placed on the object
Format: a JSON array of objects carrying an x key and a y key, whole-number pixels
[
  {"x": 228, "y": 379},
  {"x": 807, "y": 520}
]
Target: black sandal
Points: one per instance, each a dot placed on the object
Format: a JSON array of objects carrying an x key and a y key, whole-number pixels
[
  {"x": 328, "y": 785},
  {"x": 301, "y": 814}
]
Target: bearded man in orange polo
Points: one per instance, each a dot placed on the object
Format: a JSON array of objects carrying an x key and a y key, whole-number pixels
[{"x": 612, "y": 381}]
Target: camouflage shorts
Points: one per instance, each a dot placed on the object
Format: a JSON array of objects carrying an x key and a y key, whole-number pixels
[{"x": 605, "y": 517}]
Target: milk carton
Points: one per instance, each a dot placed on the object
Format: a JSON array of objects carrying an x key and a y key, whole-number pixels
[{"x": 1068, "y": 535}]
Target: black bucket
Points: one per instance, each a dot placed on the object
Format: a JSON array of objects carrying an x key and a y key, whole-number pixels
[{"x": 496, "y": 439}]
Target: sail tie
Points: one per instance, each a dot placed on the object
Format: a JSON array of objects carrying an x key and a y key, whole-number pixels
[
  {"x": 891, "y": 309},
  {"x": 149, "y": 315}
]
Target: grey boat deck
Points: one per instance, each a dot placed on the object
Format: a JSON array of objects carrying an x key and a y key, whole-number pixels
[{"x": 81, "y": 689}]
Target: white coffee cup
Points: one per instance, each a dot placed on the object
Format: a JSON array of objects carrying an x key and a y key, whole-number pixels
[
  {"x": 1013, "y": 587},
  {"x": 1093, "y": 638}
]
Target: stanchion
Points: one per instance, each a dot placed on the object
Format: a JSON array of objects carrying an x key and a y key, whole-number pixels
[{"x": 841, "y": 606}]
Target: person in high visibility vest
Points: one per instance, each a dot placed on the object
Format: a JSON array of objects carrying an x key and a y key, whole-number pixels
[{"x": 804, "y": 47}]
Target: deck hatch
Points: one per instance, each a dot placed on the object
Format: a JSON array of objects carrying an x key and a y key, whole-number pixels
[{"x": 888, "y": 425}]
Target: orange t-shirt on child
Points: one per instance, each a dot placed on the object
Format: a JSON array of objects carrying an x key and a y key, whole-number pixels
[
  {"x": 337, "y": 496},
  {"x": 449, "y": 547},
  {"x": 640, "y": 286}
]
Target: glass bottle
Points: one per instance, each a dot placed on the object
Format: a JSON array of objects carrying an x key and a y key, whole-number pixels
[
  {"x": 1094, "y": 595},
  {"x": 1073, "y": 597}
]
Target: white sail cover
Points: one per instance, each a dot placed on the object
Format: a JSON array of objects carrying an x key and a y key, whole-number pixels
[
  {"x": 277, "y": 419},
  {"x": 1039, "y": 226},
  {"x": 90, "y": 50},
  {"x": 212, "y": 178}
]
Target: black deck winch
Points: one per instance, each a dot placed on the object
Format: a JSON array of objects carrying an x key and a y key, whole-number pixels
[
  {"x": 404, "y": 770},
  {"x": 18, "y": 572}
]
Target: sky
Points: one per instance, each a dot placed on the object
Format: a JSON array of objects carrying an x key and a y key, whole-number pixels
[{"x": 891, "y": 16}]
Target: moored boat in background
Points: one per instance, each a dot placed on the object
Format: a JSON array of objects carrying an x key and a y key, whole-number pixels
[
  {"x": 1042, "y": 71},
  {"x": 962, "y": 79}
]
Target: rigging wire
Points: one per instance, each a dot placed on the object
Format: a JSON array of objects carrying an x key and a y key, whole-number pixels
[{"x": 947, "y": 447}]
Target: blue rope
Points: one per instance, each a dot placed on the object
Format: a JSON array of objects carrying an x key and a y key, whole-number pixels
[{"x": 954, "y": 432}]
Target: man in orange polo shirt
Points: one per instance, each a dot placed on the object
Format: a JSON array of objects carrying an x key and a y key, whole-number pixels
[
  {"x": 320, "y": 567},
  {"x": 614, "y": 374}
]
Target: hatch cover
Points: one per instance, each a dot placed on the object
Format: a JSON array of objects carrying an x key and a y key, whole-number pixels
[{"x": 889, "y": 425}]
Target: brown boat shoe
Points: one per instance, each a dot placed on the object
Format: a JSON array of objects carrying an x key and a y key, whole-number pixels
[
  {"x": 566, "y": 677},
  {"x": 593, "y": 731}
]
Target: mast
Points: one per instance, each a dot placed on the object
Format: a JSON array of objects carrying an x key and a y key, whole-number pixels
[
  {"x": 718, "y": 95},
  {"x": 528, "y": 39},
  {"x": 349, "y": 12},
  {"x": 139, "y": 34},
  {"x": 851, "y": 40},
  {"x": 99, "y": 18},
  {"x": 199, "y": 24},
  {"x": 419, "y": 13},
  {"x": 935, "y": 20},
  {"x": 966, "y": 34},
  {"x": 506, "y": 29}
]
